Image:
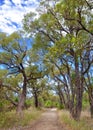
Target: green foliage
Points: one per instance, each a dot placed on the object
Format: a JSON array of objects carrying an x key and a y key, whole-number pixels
[
  {"x": 60, "y": 106},
  {"x": 1, "y": 106},
  {"x": 62, "y": 35},
  {"x": 16, "y": 99},
  {"x": 51, "y": 104},
  {"x": 13, "y": 51},
  {"x": 5, "y": 105},
  {"x": 12, "y": 120},
  {"x": 48, "y": 104},
  {"x": 41, "y": 101},
  {"x": 28, "y": 103},
  {"x": 85, "y": 102},
  {"x": 85, "y": 122}
]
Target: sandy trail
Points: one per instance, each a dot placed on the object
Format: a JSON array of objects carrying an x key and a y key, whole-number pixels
[{"x": 48, "y": 121}]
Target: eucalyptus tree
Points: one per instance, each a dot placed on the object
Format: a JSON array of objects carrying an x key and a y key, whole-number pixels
[
  {"x": 9, "y": 90},
  {"x": 11, "y": 85},
  {"x": 15, "y": 56},
  {"x": 37, "y": 88},
  {"x": 89, "y": 89},
  {"x": 64, "y": 29},
  {"x": 2, "y": 90}
]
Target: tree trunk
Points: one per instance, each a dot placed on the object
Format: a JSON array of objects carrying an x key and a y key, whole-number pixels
[
  {"x": 90, "y": 92},
  {"x": 21, "y": 103},
  {"x": 91, "y": 102},
  {"x": 91, "y": 110},
  {"x": 36, "y": 99},
  {"x": 22, "y": 98},
  {"x": 61, "y": 96},
  {"x": 79, "y": 91}
]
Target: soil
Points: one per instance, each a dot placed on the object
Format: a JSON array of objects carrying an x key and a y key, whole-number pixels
[{"x": 48, "y": 121}]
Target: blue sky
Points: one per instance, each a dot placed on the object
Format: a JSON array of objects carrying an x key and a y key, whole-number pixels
[{"x": 12, "y": 13}]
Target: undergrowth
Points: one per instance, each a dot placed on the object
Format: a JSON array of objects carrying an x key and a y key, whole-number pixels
[
  {"x": 85, "y": 123},
  {"x": 11, "y": 119}
]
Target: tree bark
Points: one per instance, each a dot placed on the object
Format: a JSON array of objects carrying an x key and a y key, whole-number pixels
[
  {"x": 22, "y": 98},
  {"x": 61, "y": 96},
  {"x": 91, "y": 109},
  {"x": 21, "y": 103},
  {"x": 90, "y": 101},
  {"x": 36, "y": 99},
  {"x": 90, "y": 93},
  {"x": 79, "y": 92}
]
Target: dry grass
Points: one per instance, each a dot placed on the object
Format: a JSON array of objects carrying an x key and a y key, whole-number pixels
[
  {"x": 11, "y": 120},
  {"x": 85, "y": 123}
]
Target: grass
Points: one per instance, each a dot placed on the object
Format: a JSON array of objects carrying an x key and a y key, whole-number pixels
[
  {"x": 85, "y": 123},
  {"x": 11, "y": 119}
]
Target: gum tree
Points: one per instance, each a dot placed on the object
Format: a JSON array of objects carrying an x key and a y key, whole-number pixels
[
  {"x": 64, "y": 30},
  {"x": 15, "y": 56}
]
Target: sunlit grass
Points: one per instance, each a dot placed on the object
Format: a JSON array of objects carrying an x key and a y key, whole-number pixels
[
  {"x": 85, "y": 123},
  {"x": 11, "y": 119}
]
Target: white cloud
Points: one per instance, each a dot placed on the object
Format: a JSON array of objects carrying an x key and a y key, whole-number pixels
[
  {"x": 11, "y": 13},
  {"x": 17, "y": 2},
  {"x": 7, "y": 2}
]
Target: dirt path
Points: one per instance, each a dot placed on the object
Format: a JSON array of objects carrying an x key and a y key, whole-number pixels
[{"x": 48, "y": 121}]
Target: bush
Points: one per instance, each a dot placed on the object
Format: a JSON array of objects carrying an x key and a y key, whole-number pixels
[
  {"x": 1, "y": 106},
  {"x": 12, "y": 120},
  {"x": 28, "y": 103},
  {"x": 48, "y": 104},
  {"x": 85, "y": 123}
]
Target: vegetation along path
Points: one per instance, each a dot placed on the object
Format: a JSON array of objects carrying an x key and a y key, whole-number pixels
[{"x": 48, "y": 121}]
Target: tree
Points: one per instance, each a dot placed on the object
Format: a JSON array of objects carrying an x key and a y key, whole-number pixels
[
  {"x": 37, "y": 87},
  {"x": 2, "y": 90},
  {"x": 16, "y": 57},
  {"x": 89, "y": 90},
  {"x": 12, "y": 86},
  {"x": 64, "y": 30}
]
